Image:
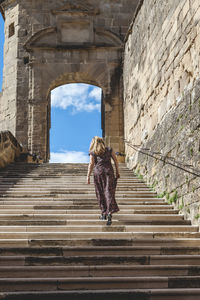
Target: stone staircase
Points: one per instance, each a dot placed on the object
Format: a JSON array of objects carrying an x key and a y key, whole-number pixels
[{"x": 53, "y": 245}]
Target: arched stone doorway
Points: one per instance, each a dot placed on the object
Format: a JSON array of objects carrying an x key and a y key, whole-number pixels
[
  {"x": 50, "y": 43},
  {"x": 111, "y": 109}
]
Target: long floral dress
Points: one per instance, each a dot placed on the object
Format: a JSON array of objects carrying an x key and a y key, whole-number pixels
[{"x": 105, "y": 182}]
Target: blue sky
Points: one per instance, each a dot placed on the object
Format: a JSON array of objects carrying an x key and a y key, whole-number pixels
[{"x": 75, "y": 117}]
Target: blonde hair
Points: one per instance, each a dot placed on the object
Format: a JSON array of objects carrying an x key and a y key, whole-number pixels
[{"x": 97, "y": 145}]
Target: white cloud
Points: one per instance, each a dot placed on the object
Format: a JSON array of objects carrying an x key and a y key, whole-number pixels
[
  {"x": 80, "y": 97},
  {"x": 96, "y": 94},
  {"x": 69, "y": 157}
]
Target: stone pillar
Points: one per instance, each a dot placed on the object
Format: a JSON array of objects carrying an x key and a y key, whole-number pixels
[
  {"x": 38, "y": 128},
  {"x": 113, "y": 115}
]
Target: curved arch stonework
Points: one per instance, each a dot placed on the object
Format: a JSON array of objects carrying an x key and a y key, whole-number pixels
[{"x": 55, "y": 43}]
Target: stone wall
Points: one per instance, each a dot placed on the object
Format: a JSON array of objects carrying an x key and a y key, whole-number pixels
[
  {"x": 8, "y": 101},
  {"x": 162, "y": 98},
  {"x": 9, "y": 148}
]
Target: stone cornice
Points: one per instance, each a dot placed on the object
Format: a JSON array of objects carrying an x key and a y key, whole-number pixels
[
  {"x": 77, "y": 8},
  {"x": 3, "y": 4},
  {"x": 1, "y": 9},
  {"x": 2, "y": 12},
  {"x": 8, "y": 1}
]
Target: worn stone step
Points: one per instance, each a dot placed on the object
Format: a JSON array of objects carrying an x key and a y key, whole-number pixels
[
  {"x": 82, "y": 283},
  {"x": 111, "y": 242},
  {"x": 97, "y": 271},
  {"x": 85, "y": 216},
  {"x": 52, "y": 187},
  {"x": 101, "y": 228},
  {"x": 48, "y": 221},
  {"x": 71, "y": 185},
  {"x": 109, "y": 233},
  {"x": 73, "y": 205},
  {"x": 47, "y": 185},
  {"x": 16, "y": 176},
  {"x": 192, "y": 242},
  {"x": 158, "y": 260},
  {"x": 73, "y": 194},
  {"x": 78, "y": 201},
  {"x": 99, "y": 250},
  {"x": 30, "y": 206},
  {"x": 83, "y": 211},
  {"x": 125, "y": 294}
]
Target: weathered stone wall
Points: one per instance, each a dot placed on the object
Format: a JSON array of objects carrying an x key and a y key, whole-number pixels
[
  {"x": 9, "y": 148},
  {"x": 8, "y": 101},
  {"x": 162, "y": 97}
]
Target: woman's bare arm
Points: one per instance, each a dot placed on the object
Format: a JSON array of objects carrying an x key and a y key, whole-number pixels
[
  {"x": 90, "y": 168},
  {"x": 116, "y": 164}
]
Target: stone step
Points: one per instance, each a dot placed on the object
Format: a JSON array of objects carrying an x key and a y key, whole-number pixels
[
  {"x": 65, "y": 184},
  {"x": 125, "y": 294},
  {"x": 192, "y": 242},
  {"x": 59, "y": 173},
  {"x": 74, "y": 193},
  {"x": 73, "y": 204},
  {"x": 74, "y": 181},
  {"x": 85, "y": 216},
  {"x": 49, "y": 222},
  {"x": 55, "y": 169},
  {"x": 82, "y": 283},
  {"x": 79, "y": 201},
  {"x": 51, "y": 171},
  {"x": 100, "y": 251},
  {"x": 83, "y": 211},
  {"x": 100, "y": 228},
  {"x": 56, "y": 173},
  {"x": 46, "y": 189},
  {"x": 42, "y": 206},
  {"x": 107, "y": 234},
  {"x": 98, "y": 271},
  {"x": 131, "y": 260}
]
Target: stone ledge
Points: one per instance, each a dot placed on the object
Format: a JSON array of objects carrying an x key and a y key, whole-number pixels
[{"x": 10, "y": 149}]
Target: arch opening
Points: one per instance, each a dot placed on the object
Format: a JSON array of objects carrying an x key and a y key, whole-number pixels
[{"x": 74, "y": 118}]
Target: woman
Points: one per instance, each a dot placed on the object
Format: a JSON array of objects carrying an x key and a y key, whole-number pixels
[{"x": 104, "y": 178}]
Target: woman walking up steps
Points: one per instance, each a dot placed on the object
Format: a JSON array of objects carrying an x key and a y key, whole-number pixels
[{"x": 104, "y": 178}]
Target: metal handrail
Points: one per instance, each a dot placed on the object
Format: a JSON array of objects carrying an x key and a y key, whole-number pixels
[{"x": 168, "y": 160}]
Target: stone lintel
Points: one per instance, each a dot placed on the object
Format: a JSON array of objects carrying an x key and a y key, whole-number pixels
[{"x": 73, "y": 47}]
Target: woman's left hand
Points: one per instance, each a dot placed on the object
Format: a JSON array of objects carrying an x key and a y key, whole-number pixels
[
  {"x": 88, "y": 180},
  {"x": 117, "y": 175}
]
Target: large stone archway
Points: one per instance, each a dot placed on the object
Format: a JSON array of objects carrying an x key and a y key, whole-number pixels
[{"x": 50, "y": 43}]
